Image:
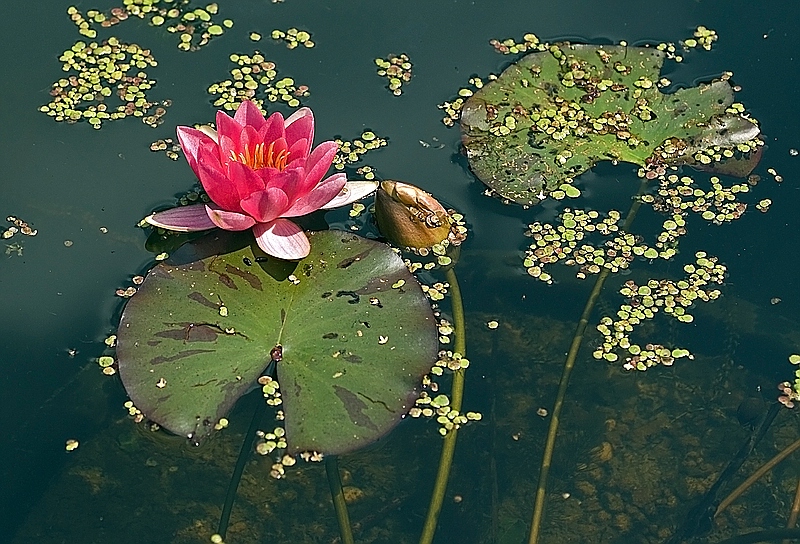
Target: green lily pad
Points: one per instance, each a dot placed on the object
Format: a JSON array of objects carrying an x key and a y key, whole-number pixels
[
  {"x": 203, "y": 327},
  {"x": 554, "y": 114}
]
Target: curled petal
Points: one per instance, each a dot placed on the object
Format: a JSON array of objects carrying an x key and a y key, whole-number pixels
[
  {"x": 182, "y": 219},
  {"x": 229, "y": 220},
  {"x": 283, "y": 239},
  {"x": 318, "y": 197},
  {"x": 352, "y": 191}
]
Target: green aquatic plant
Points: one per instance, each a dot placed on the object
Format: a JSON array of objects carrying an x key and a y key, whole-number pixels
[
  {"x": 554, "y": 114},
  {"x": 351, "y": 349},
  {"x": 531, "y": 131}
]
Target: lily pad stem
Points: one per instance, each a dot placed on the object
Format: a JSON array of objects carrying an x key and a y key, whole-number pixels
[
  {"x": 339, "y": 504},
  {"x": 753, "y": 478},
  {"x": 238, "y": 470},
  {"x": 456, "y": 396},
  {"x": 547, "y": 456}
]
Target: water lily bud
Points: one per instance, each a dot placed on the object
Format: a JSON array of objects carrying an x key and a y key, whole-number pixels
[{"x": 410, "y": 217}]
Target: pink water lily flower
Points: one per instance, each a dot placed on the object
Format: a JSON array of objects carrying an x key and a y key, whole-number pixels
[{"x": 258, "y": 172}]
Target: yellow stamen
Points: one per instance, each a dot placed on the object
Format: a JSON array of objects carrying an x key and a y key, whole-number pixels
[{"x": 262, "y": 157}]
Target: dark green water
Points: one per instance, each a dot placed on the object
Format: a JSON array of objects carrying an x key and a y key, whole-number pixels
[{"x": 670, "y": 430}]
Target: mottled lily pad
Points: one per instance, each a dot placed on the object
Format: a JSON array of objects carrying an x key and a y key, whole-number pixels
[
  {"x": 554, "y": 114},
  {"x": 204, "y": 326}
]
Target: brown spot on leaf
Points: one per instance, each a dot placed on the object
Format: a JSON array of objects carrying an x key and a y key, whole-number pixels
[
  {"x": 198, "y": 297},
  {"x": 355, "y": 408},
  {"x": 180, "y": 355},
  {"x": 191, "y": 332},
  {"x": 355, "y": 258},
  {"x": 227, "y": 281},
  {"x": 252, "y": 279}
]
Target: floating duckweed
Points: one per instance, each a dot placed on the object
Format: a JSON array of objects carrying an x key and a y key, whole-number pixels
[
  {"x": 255, "y": 36},
  {"x": 255, "y": 79},
  {"x": 105, "y": 361},
  {"x": 18, "y": 226},
  {"x": 510, "y": 47},
  {"x": 763, "y": 205},
  {"x": 794, "y": 359},
  {"x": 170, "y": 148},
  {"x": 493, "y": 324},
  {"x": 196, "y": 23},
  {"x": 293, "y": 38},
  {"x": 104, "y": 70},
  {"x": 71, "y": 444},
  {"x": 397, "y": 70},
  {"x": 562, "y": 243},
  {"x": 351, "y": 151},
  {"x": 645, "y": 301}
]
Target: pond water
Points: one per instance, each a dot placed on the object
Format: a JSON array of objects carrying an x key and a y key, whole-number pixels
[{"x": 635, "y": 450}]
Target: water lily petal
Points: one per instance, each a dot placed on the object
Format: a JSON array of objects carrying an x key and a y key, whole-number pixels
[
  {"x": 217, "y": 185},
  {"x": 352, "y": 191},
  {"x": 228, "y": 220},
  {"x": 244, "y": 180},
  {"x": 300, "y": 126},
  {"x": 182, "y": 219},
  {"x": 320, "y": 195},
  {"x": 227, "y": 126},
  {"x": 264, "y": 206},
  {"x": 249, "y": 138},
  {"x": 248, "y": 115},
  {"x": 272, "y": 129},
  {"x": 283, "y": 239},
  {"x": 208, "y": 131},
  {"x": 191, "y": 140},
  {"x": 318, "y": 163}
]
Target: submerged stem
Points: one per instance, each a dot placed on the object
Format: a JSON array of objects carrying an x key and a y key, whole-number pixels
[
  {"x": 339, "y": 504},
  {"x": 547, "y": 457},
  {"x": 456, "y": 396},
  {"x": 238, "y": 470}
]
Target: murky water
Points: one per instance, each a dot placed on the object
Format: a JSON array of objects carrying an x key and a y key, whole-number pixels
[{"x": 635, "y": 451}]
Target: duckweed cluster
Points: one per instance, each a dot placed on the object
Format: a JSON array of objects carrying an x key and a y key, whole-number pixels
[
  {"x": 293, "y": 38},
  {"x": 195, "y": 26},
  {"x": 18, "y": 226},
  {"x": 452, "y": 109},
  {"x": 643, "y": 302},
  {"x": 351, "y": 151},
  {"x": 530, "y": 42},
  {"x": 256, "y": 79},
  {"x": 678, "y": 195},
  {"x": 556, "y": 243},
  {"x": 102, "y": 71},
  {"x": 397, "y": 70},
  {"x": 171, "y": 148},
  {"x": 790, "y": 392},
  {"x": 438, "y": 406}
]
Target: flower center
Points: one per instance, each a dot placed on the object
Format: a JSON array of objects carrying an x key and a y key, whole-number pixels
[{"x": 262, "y": 156}]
